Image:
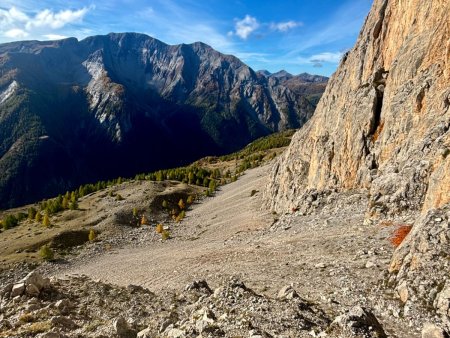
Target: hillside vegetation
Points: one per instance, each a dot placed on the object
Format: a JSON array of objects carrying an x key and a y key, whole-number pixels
[{"x": 152, "y": 199}]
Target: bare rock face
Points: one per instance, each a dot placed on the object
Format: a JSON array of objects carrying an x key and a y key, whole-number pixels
[
  {"x": 383, "y": 125},
  {"x": 383, "y": 122}
]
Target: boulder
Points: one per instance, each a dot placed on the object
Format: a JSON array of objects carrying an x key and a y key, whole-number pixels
[
  {"x": 360, "y": 322},
  {"x": 36, "y": 279},
  {"x": 122, "y": 328}
]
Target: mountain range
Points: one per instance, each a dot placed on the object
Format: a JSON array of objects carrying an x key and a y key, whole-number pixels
[{"x": 73, "y": 112}]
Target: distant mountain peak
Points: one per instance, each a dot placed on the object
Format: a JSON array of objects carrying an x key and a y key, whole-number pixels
[{"x": 264, "y": 72}]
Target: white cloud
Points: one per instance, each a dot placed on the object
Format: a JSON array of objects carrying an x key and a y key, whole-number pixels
[
  {"x": 285, "y": 26},
  {"x": 16, "y": 33},
  {"x": 55, "y": 36},
  {"x": 17, "y": 24},
  {"x": 332, "y": 57},
  {"x": 47, "y": 18},
  {"x": 246, "y": 26}
]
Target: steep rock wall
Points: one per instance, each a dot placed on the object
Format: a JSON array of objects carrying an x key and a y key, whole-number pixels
[{"x": 383, "y": 121}]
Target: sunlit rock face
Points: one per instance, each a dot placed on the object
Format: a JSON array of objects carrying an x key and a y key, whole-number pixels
[{"x": 383, "y": 121}]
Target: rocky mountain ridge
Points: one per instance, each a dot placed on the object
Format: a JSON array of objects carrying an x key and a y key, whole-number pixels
[{"x": 74, "y": 111}]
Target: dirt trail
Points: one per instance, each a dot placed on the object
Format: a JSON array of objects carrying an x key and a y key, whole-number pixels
[{"x": 216, "y": 232}]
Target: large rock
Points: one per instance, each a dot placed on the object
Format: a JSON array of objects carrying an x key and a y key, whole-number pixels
[
  {"x": 122, "y": 329},
  {"x": 18, "y": 289},
  {"x": 383, "y": 121},
  {"x": 359, "y": 322}
]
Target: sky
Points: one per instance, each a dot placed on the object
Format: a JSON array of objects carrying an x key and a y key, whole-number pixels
[{"x": 295, "y": 35}]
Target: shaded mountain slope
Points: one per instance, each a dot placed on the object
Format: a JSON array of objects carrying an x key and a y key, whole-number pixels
[{"x": 76, "y": 111}]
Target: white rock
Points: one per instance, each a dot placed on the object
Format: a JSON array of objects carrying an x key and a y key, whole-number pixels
[
  {"x": 370, "y": 264},
  {"x": 17, "y": 289}
]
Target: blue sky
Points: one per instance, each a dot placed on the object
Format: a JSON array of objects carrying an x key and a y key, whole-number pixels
[{"x": 295, "y": 35}]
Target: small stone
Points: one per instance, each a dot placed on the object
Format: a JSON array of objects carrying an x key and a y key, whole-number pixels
[
  {"x": 50, "y": 335},
  {"x": 175, "y": 333},
  {"x": 403, "y": 292},
  {"x": 32, "y": 290},
  {"x": 65, "y": 322},
  {"x": 63, "y": 306},
  {"x": 438, "y": 219},
  {"x": 432, "y": 331},
  {"x": 5, "y": 324},
  {"x": 320, "y": 265},
  {"x": 6, "y": 290},
  {"x": 146, "y": 333},
  {"x": 370, "y": 264},
  {"x": 287, "y": 292}
]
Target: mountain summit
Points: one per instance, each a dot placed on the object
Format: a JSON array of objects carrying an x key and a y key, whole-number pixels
[{"x": 75, "y": 111}]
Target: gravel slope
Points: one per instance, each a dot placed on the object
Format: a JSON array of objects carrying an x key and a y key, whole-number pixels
[{"x": 330, "y": 257}]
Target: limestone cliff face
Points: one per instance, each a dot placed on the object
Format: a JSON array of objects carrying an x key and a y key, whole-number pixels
[{"x": 383, "y": 121}]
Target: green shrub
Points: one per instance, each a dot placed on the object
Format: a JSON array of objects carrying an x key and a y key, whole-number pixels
[
  {"x": 9, "y": 222},
  {"x": 92, "y": 235},
  {"x": 165, "y": 235},
  {"x": 46, "y": 253}
]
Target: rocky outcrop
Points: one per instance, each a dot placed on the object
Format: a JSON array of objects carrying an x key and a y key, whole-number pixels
[
  {"x": 383, "y": 126},
  {"x": 77, "y": 306},
  {"x": 419, "y": 267},
  {"x": 383, "y": 121}
]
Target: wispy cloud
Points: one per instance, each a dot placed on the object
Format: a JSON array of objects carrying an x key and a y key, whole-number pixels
[
  {"x": 327, "y": 57},
  {"x": 345, "y": 23},
  {"x": 249, "y": 25},
  {"x": 17, "y": 24},
  {"x": 285, "y": 26}
]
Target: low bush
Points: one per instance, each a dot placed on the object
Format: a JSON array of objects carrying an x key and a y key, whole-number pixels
[
  {"x": 46, "y": 253},
  {"x": 92, "y": 235},
  {"x": 165, "y": 235},
  {"x": 159, "y": 228}
]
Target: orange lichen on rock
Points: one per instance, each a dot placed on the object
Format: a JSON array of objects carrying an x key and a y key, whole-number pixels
[{"x": 399, "y": 234}]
